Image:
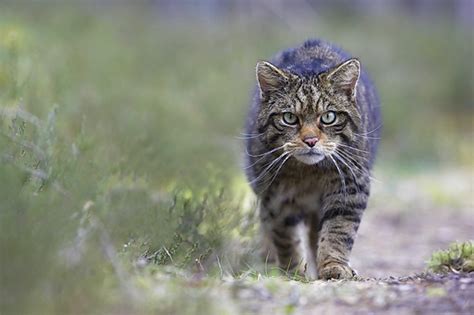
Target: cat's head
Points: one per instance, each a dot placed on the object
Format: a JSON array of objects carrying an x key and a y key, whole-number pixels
[{"x": 310, "y": 117}]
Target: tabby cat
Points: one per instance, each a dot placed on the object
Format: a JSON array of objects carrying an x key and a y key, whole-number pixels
[{"x": 311, "y": 136}]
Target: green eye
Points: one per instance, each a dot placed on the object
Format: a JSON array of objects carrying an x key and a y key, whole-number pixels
[
  {"x": 290, "y": 118},
  {"x": 328, "y": 117}
]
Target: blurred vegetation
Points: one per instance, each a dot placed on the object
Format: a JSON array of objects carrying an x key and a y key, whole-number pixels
[
  {"x": 459, "y": 257},
  {"x": 119, "y": 140}
]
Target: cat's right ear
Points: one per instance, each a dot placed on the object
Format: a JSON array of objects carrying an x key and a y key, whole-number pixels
[{"x": 270, "y": 78}]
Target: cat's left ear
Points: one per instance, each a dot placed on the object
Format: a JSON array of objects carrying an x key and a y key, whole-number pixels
[
  {"x": 270, "y": 78},
  {"x": 344, "y": 77}
]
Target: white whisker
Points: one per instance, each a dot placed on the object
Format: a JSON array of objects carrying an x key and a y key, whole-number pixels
[
  {"x": 354, "y": 163},
  {"x": 263, "y": 154},
  {"x": 365, "y": 137},
  {"x": 246, "y": 136},
  {"x": 267, "y": 169},
  {"x": 351, "y": 159},
  {"x": 250, "y": 134},
  {"x": 353, "y": 155},
  {"x": 276, "y": 172},
  {"x": 343, "y": 182},
  {"x": 362, "y": 170},
  {"x": 352, "y": 148},
  {"x": 337, "y": 156},
  {"x": 254, "y": 163},
  {"x": 372, "y": 131}
]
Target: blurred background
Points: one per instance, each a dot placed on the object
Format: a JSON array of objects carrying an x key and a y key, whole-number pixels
[{"x": 120, "y": 152}]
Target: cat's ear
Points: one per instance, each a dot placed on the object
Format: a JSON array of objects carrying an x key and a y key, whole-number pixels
[
  {"x": 344, "y": 77},
  {"x": 270, "y": 78}
]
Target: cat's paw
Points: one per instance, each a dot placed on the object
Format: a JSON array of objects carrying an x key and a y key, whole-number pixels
[{"x": 336, "y": 271}]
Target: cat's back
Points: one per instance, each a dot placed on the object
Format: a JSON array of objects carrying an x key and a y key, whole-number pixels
[{"x": 310, "y": 58}]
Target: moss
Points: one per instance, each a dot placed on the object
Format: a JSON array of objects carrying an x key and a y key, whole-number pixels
[{"x": 459, "y": 257}]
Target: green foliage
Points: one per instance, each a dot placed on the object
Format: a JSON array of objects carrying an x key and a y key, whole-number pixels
[{"x": 459, "y": 257}]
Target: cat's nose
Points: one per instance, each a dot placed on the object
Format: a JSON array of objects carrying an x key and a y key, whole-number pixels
[{"x": 311, "y": 141}]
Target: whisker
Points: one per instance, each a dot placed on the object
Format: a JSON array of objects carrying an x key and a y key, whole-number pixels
[
  {"x": 362, "y": 170},
  {"x": 337, "y": 156},
  {"x": 263, "y": 154},
  {"x": 352, "y": 148},
  {"x": 353, "y": 157},
  {"x": 267, "y": 169},
  {"x": 372, "y": 131},
  {"x": 353, "y": 154},
  {"x": 254, "y": 163},
  {"x": 353, "y": 162},
  {"x": 262, "y": 178},
  {"x": 250, "y": 134},
  {"x": 245, "y": 136},
  {"x": 365, "y": 137},
  {"x": 343, "y": 182},
  {"x": 276, "y": 172}
]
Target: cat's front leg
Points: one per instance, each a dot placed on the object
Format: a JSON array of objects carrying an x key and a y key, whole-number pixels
[{"x": 338, "y": 226}]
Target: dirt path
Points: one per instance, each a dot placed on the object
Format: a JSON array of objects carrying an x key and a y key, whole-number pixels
[
  {"x": 394, "y": 244},
  {"x": 406, "y": 222},
  {"x": 390, "y": 256},
  {"x": 421, "y": 294},
  {"x": 410, "y": 218}
]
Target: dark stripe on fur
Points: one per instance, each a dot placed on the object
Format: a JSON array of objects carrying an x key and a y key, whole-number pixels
[
  {"x": 349, "y": 215},
  {"x": 293, "y": 219}
]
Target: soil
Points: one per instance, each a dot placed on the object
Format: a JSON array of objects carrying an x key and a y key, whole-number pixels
[{"x": 395, "y": 241}]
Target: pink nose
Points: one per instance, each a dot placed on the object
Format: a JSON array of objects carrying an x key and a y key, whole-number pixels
[{"x": 311, "y": 141}]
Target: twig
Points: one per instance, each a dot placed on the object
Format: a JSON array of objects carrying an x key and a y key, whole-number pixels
[
  {"x": 39, "y": 174},
  {"x": 168, "y": 253},
  {"x": 18, "y": 112},
  {"x": 28, "y": 145}
]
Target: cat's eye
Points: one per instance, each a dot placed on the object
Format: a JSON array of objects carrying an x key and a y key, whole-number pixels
[
  {"x": 290, "y": 118},
  {"x": 328, "y": 117}
]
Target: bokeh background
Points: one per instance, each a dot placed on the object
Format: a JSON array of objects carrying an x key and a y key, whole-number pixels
[{"x": 120, "y": 155}]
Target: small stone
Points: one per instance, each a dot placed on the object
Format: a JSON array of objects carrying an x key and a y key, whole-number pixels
[{"x": 466, "y": 280}]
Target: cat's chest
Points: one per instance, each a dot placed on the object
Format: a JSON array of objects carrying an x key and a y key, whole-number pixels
[{"x": 295, "y": 196}]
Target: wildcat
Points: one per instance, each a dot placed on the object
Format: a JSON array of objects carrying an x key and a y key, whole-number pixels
[{"x": 311, "y": 136}]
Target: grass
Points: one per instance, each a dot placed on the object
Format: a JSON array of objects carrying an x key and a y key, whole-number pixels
[
  {"x": 120, "y": 180},
  {"x": 459, "y": 257}
]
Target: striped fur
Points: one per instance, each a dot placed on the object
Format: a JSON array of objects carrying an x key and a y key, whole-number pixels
[{"x": 310, "y": 173}]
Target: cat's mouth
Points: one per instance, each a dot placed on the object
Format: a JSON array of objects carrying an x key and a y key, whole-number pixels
[{"x": 309, "y": 157}]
